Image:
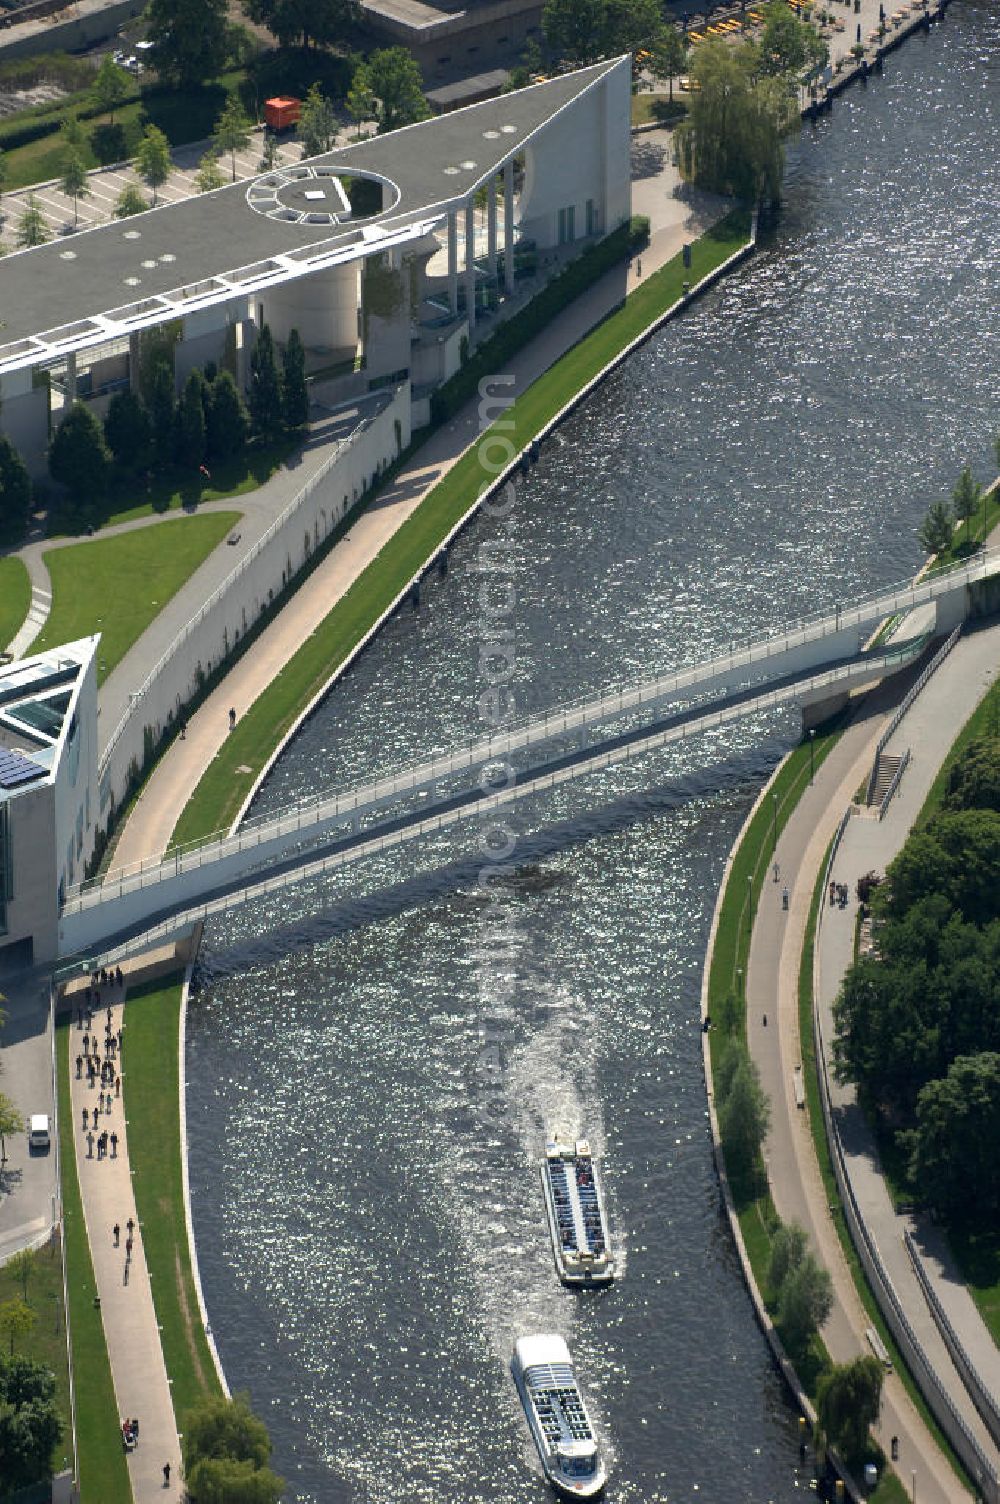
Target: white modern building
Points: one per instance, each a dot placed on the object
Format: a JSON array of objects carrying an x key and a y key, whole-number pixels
[
  {"x": 386, "y": 255},
  {"x": 48, "y": 792}
]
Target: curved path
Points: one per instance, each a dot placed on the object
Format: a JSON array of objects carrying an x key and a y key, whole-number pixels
[{"x": 772, "y": 994}]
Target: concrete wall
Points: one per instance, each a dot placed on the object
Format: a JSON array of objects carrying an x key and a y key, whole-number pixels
[
  {"x": 24, "y": 418},
  {"x": 582, "y": 155},
  {"x": 91, "y": 21},
  {"x": 76, "y": 782},
  {"x": 323, "y": 307},
  {"x": 31, "y": 909},
  {"x": 235, "y": 607}
]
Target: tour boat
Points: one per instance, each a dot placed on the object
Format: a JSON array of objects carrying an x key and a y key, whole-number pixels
[
  {"x": 560, "y": 1425},
  {"x": 577, "y": 1225}
]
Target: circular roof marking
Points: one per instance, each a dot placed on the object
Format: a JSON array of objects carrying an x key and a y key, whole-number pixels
[
  {"x": 468, "y": 165},
  {"x": 509, "y": 130},
  {"x": 450, "y": 171},
  {"x": 131, "y": 234},
  {"x": 132, "y": 281},
  {"x": 149, "y": 265},
  {"x": 67, "y": 255},
  {"x": 168, "y": 256},
  {"x": 491, "y": 135}
]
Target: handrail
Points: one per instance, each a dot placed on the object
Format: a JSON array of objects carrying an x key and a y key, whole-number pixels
[
  {"x": 347, "y": 804},
  {"x": 894, "y": 785},
  {"x": 905, "y": 704},
  {"x": 170, "y": 652},
  {"x": 982, "y": 1397}
]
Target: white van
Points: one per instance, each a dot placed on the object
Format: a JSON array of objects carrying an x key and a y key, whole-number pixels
[{"x": 38, "y": 1131}]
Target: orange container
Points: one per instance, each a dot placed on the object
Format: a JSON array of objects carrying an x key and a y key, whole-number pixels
[{"x": 281, "y": 113}]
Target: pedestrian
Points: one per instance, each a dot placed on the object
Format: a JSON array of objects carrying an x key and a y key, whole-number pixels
[
  {"x": 765, "y": 1020},
  {"x": 110, "y": 1015},
  {"x": 97, "y": 1111},
  {"x": 135, "y": 1429},
  {"x": 131, "y": 1227},
  {"x": 119, "y": 1037},
  {"x": 784, "y": 898},
  {"x": 86, "y": 1044},
  {"x": 90, "y": 1146},
  {"x": 638, "y": 266},
  {"x": 166, "y": 1475},
  {"x": 118, "y": 976},
  {"x": 833, "y": 893},
  {"x": 118, "y": 1086},
  {"x": 114, "y": 1146},
  {"x": 777, "y": 871},
  {"x": 108, "y": 1101},
  {"x": 128, "y": 1246},
  {"x": 85, "y": 1117},
  {"x": 183, "y": 727},
  {"x": 79, "y": 1066},
  {"x": 118, "y": 1235},
  {"x": 232, "y": 719}
]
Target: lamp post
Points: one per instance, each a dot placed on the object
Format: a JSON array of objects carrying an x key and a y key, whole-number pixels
[
  {"x": 812, "y": 753},
  {"x": 750, "y": 902},
  {"x": 774, "y": 829}
]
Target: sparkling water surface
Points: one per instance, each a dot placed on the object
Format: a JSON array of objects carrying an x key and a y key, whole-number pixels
[{"x": 376, "y": 1057}]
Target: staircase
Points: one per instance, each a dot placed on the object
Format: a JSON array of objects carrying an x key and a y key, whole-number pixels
[{"x": 888, "y": 767}]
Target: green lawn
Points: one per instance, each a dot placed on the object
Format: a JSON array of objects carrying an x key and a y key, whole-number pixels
[
  {"x": 15, "y": 598},
  {"x": 222, "y": 788},
  {"x": 46, "y": 1342},
  {"x": 648, "y": 109},
  {"x": 152, "y": 1096},
  {"x": 117, "y": 585},
  {"x": 103, "y": 1473}
]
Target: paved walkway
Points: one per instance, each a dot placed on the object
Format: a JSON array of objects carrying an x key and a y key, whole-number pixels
[
  {"x": 133, "y": 1338},
  {"x": 147, "y": 832},
  {"x": 772, "y": 993}
]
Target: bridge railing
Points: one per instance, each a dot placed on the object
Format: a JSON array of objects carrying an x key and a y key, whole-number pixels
[{"x": 335, "y": 806}]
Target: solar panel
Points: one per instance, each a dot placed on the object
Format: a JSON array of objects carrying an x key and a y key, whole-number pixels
[{"x": 16, "y": 769}]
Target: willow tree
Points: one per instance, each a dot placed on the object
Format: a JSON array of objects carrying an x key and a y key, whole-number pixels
[{"x": 731, "y": 140}]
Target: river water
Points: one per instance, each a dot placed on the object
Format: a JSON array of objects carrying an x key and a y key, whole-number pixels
[{"x": 375, "y": 1059}]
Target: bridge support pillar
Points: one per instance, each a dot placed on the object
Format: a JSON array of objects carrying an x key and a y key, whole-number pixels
[{"x": 817, "y": 711}]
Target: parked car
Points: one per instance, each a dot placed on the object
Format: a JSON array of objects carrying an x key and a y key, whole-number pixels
[{"x": 38, "y": 1132}]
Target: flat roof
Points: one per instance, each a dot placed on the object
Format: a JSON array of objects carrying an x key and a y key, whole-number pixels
[{"x": 81, "y": 290}]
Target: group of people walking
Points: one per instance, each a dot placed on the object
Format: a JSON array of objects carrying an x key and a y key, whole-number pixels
[{"x": 103, "y": 1072}]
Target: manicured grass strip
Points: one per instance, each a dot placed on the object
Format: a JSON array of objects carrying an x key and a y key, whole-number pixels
[
  {"x": 103, "y": 1473},
  {"x": 152, "y": 1108},
  {"x": 984, "y": 721},
  {"x": 46, "y": 1342},
  {"x": 222, "y": 789},
  {"x": 15, "y": 598},
  {"x": 817, "y": 1127},
  {"x": 117, "y": 585}
]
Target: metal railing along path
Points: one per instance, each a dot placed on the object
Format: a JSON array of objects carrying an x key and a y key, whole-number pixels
[
  {"x": 904, "y": 706},
  {"x": 339, "y": 809}
]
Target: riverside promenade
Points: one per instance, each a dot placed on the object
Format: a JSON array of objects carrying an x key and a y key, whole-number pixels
[{"x": 772, "y": 994}]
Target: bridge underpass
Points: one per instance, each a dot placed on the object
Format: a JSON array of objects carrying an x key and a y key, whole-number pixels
[{"x": 129, "y": 911}]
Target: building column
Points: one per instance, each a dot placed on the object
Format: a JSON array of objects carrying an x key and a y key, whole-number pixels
[
  {"x": 453, "y": 262},
  {"x": 71, "y": 377},
  {"x": 508, "y": 226},
  {"x": 491, "y": 228},
  {"x": 470, "y": 263},
  {"x": 133, "y": 361}
]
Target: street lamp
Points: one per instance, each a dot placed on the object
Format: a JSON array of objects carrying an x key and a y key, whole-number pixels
[
  {"x": 750, "y": 902},
  {"x": 774, "y": 830},
  {"x": 812, "y": 753}
]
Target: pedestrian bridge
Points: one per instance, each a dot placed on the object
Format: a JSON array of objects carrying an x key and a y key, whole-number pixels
[{"x": 815, "y": 663}]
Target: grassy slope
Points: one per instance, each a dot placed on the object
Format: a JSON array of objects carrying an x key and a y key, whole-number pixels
[
  {"x": 15, "y": 598},
  {"x": 103, "y": 1474},
  {"x": 222, "y": 790},
  {"x": 117, "y": 585},
  {"x": 152, "y": 1015}
]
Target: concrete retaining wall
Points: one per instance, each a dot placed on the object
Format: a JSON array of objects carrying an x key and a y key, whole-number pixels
[{"x": 219, "y": 626}]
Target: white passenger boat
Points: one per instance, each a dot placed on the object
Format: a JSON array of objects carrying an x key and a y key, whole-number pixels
[
  {"x": 560, "y": 1425},
  {"x": 580, "y": 1243}
]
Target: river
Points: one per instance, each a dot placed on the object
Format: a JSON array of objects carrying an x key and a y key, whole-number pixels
[{"x": 375, "y": 1059}]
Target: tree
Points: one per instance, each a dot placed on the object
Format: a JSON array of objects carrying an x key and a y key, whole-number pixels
[
  {"x": 130, "y": 201},
  {"x": 967, "y": 496},
  {"x": 847, "y": 1404},
  {"x": 627, "y": 25},
  {"x": 74, "y": 181},
  {"x": 232, "y": 130},
  {"x": 294, "y": 22},
  {"x": 788, "y": 1249},
  {"x": 11, "y": 1121},
  {"x": 153, "y": 158},
  {"x": 22, "y": 1266},
  {"x": 78, "y": 456},
  {"x": 225, "y": 1480},
  {"x": 669, "y": 56},
  {"x": 218, "y": 1427},
  {"x": 804, "y": 1302},
  {"x": 573, "y": 28},
  {"x": 71, "y": 134},
  {"x": 111, "y": 86},
  {"x": 743, "y": 1122},
  {"x": 937, "y": 528},
  {"x": 190, "y": 423},
  {"x": 3, "y": 184},
  {"x": 730, "y": 141},
  {"x": 393, "y": 78},
  {"x": 15, "y": 493},
  {"x": 317, "y": 123},
  {"x": 128, "y": 431},
  {"x": 190, "y": 41},
  {"x": 265, "y": 387},
  {"x": 227, "y": 420},
  {"x": 360, "y": 100},
  {"x": 16, "y": 1320},
  {"x": 30, "y": 1426},
  {"x": 162, "y": 407},
  {"x": 953, "y": 1148},
  {"x": 31, "y": 227},
  {"x": 973, "y": 780},
  {"x": 294, "y": 396},
  {"x": 789, "y": 46},
  {"x": 209, "y": 175}
]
